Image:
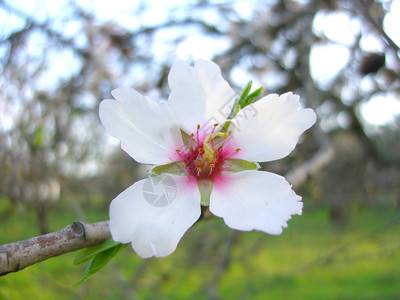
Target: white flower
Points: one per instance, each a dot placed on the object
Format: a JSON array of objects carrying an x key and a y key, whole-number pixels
[{"x": 199, "y": 161}]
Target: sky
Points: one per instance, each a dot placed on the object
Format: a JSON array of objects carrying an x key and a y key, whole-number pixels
[{"x": 326, "y": 60}]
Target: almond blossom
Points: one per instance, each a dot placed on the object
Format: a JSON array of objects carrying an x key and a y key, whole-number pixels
[{"x": 207, "y": 154}]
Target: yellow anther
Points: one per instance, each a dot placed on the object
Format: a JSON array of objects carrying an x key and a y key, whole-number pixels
[
  {"x": 238, "y": 149},
  {"x": 198, "y": 126},
  {"x": 177, "y": 150},
  {"x": 215, "y": 125}
]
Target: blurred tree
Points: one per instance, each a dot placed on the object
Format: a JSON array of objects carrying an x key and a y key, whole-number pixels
[{"x": 57, "y": 66}]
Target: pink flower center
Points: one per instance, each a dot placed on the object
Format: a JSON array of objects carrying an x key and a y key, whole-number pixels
[{"x": 205, "y": 157}]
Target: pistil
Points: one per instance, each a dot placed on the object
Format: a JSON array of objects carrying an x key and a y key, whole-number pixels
[{"x": 204, "y": 159}]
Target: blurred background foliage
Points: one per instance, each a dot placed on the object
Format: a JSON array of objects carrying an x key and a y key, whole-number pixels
[{"x": 59, "y": 59}]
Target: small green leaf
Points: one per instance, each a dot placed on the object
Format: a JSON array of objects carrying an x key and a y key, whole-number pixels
[
  {"x": 205, "y": 188},
  {"x": 238, "y": 165},
  {"x": 250, "y": 98},
  {"x": 175, "y": 167},
  {"x": 246, "y": 91},
  {"x": 226, "y": 126},
  {"x": 88, "y": 253},
  {"x": 99, "y": 261},
  {"x": 236, "y": 107}
]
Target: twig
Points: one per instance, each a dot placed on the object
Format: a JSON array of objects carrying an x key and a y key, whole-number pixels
[
  {"x": 222, "y": 265},
  {"x": 19, "y": 255},
  {"x": 326, "y": 151},
  {"x": 322, "y": 157},
  {"x": 363, "y": 7}
]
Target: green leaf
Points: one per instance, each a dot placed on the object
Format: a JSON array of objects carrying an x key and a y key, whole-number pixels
[
  {"x": 236, "y": 107},
  {"x": 246, "y": 91},
  {"x": 205, "y": 188},
  {"x": 238, "y": 165},
  {"x": 175, "y": 167},
  {"x": 250, "y": 98},
  {"x": 99, "y": 261},
  {"x": 88, "y": 253},
  {"x": 244, "y": 100},
  {"x": 226, "y": 126}
]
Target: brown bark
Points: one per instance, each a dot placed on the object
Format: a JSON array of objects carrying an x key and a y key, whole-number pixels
[{"x": 19, "y": 255}]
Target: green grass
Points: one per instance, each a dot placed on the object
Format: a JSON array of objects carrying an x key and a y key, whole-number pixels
[{"x": 312, "y": 259}]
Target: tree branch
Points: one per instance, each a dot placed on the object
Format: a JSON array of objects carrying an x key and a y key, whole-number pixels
[
  {"x": 19, "y": 255},
  {"x": 323, "y": 156}
]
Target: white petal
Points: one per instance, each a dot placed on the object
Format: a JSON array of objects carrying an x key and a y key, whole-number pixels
[
  {"x": 145, "y": 127},
  {"x": 199, "y": 94},
  {"x": 255, "y": 200},
  {"x": 154, "y": 230},
  {"x": 269, "y": 129}
]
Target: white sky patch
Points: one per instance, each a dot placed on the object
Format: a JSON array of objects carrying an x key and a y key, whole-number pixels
[
  {"x": 10, "y": 23},
  {"x": 339, "y": 27},
  {"x": 245, "y": 8},
  {"x": 198, "y": 47},
  {"x": 391, "y": 23},
  {"x": 370, "y": 42},
  {"x": 381, "y": 109},
  {"x": 326, "y": 61},
  {"x": 39, "y": 10}
]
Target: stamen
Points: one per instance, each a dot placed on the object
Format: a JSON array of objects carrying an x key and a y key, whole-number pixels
[
  {"x": 179, "y": 153},
  {"x": 209, "y": 151},
  {"x": 215, "y": 126},
  {"x": 238, "y": 149},
  {"x": 211, "y": 169},
  {"x": 197, "y": 132},
  {"x": 204, "y": 155}
]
